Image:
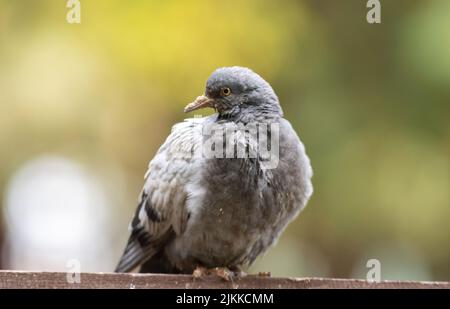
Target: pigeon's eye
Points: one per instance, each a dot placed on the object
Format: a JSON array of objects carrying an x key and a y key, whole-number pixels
[{"x": 224, "y": 92}]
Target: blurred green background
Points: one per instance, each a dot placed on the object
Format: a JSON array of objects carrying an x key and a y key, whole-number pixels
[{"x": 84, "y": 107}]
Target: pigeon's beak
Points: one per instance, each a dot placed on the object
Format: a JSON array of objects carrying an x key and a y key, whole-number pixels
[{"x": 201, "y": 102}]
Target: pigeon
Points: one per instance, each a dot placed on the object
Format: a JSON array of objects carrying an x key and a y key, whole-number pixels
[{"x": 203, "y": 206}]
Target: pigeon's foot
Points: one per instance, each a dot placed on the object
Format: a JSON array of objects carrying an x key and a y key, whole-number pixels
[
  {"x": 199, "y": 272},
  {"x": 224, "y": 273},
  {"x": 227, "y": 274}
]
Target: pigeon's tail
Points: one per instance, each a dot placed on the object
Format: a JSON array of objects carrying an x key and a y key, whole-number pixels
[{"x": 133, "y": 256}]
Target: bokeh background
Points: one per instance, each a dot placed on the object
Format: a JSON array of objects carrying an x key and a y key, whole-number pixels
[{"x": 83, "y": 108}]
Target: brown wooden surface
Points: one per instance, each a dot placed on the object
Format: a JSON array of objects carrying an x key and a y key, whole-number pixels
[{"x": 50, "y": 280}]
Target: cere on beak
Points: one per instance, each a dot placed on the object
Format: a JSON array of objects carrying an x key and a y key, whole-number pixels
[{"x": 201, "y": 102}]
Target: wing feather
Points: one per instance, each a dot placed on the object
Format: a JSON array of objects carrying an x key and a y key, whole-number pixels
[{"x": 162, "y": 212}]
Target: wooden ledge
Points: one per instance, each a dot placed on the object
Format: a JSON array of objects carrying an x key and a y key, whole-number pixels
[{"x": 52, "y": 280}]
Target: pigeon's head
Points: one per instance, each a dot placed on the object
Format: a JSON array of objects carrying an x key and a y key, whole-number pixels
[{"x": 236, "y": 90}]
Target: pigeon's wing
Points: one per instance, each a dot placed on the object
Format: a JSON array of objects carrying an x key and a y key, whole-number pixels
[{"x": 162, "y": 213}]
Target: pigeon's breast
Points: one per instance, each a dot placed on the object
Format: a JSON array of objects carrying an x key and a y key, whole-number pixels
[{"x": 224, "y": 221}]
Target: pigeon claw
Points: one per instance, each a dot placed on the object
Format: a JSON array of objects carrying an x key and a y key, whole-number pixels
[
  {"x": 222, "y": 272},
  {"x": 199, "y": 272}
]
